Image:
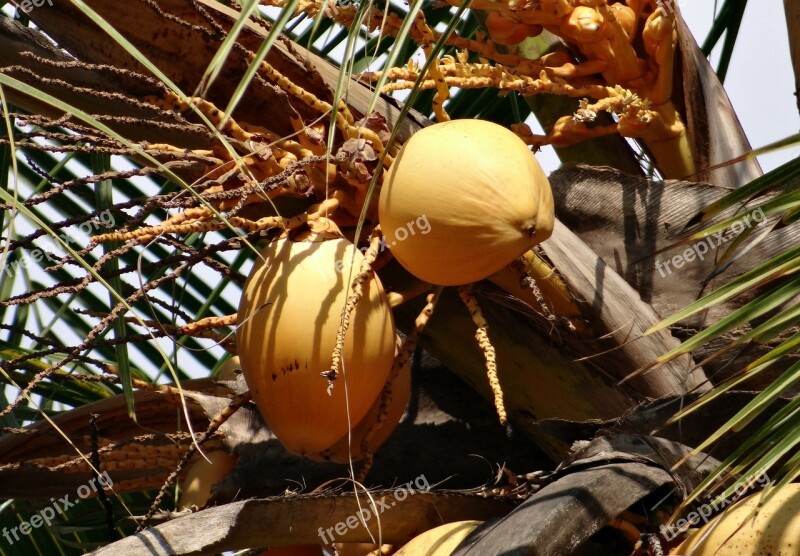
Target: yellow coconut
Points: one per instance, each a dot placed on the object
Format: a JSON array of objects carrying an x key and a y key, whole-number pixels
[
  {"x": 288, "y": 317},
  {"x": 774, "y": 530},
  {"x": 202, "y": 475},
  {"x": 440, "y": 541},
  {"x": 400, "y": 394},
  {"x": 230, "y": 369},
  {"x": 463, "y": 199}
]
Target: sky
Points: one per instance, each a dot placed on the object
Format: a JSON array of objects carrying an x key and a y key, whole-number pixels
[{"x": 760, "y": 81}]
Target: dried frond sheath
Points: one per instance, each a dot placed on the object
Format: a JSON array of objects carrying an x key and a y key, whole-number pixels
[{"x": 123, "y": 460}]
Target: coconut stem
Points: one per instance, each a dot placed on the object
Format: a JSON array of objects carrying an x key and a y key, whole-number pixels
[
  {"x": 482, "y": 335},
  {"x": 399, "y": 297},
  {"x": 357, "y": 287},
  {"x": 402, "y": 362}
]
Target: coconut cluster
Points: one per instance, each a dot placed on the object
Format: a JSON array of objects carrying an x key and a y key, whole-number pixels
[{"x": 485, "y": 201}]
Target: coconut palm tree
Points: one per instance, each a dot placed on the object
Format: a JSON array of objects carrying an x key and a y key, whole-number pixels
[{"x": 157, "y": 153}]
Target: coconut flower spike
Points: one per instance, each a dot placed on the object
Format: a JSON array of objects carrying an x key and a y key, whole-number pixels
[
  {"x": 482, "y": 335},
  {"x": 357, "y": 292},
  {"x": 402, "y": 363}
]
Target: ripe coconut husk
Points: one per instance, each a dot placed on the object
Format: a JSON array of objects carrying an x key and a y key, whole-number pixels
[{"x": 289, "y": 318}]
